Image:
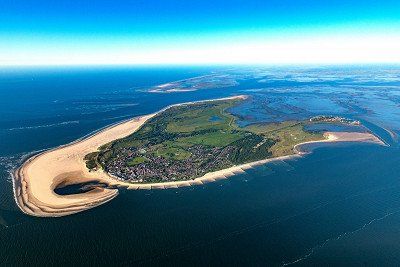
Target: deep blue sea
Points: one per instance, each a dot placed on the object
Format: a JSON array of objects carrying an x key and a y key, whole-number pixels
[{"x": 339, "y": 205}]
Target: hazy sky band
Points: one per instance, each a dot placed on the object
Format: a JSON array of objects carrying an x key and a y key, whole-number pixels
[{"x": 73, "y": 32}]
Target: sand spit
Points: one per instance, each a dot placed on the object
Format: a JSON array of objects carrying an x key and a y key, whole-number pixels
[
  {"x": 34, "y": 182},
  {"x": 36, "y": 179}
]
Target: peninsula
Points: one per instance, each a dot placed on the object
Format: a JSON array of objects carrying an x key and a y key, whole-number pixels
[{"x": 181, "y": 145}]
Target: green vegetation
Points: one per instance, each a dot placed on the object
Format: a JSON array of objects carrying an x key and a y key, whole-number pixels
[
  {"x": 91, "y": 160},
  {"x": 214, "y": 139},
  {"x": 287, "y": 134},
  {"x": 172, "y": 152},
  {"x": 136, "y": 161},
  {"x": 187, "y": 141}
]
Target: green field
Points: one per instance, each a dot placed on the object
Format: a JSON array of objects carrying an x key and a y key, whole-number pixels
[
  {"x": 288, "y": 134},
  {"x": 136, "y": 161},
  {"x": 187, "y": 141}
]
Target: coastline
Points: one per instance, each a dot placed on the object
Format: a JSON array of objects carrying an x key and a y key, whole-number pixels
[
  {"x": 37, "y": 177},
  {"x": 35, "y": 180},
  {"x": 330, "y": 137}
]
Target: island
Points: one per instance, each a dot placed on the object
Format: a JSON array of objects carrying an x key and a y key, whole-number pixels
[
  {"x": 182, "y": 145},
  {"x": 211, "y": 81}
]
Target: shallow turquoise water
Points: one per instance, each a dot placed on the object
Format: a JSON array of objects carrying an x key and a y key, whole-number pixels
[{"x": 339, "y": 205}]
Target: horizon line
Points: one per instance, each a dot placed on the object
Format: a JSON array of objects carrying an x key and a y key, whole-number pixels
[{"x": 199, "y": 64}]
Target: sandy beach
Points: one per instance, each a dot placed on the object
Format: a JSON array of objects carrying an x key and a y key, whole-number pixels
[{"x": 34, "y": 182}]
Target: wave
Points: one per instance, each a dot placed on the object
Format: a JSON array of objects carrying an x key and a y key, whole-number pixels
[
  {"x": 339, "y": 237},
  {"x": 42, "y": 126},
  {"x": 119, "y": 117},
  {"x": 11, "y": 163}
]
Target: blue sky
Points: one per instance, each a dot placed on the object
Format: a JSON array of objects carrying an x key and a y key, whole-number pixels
[{"x": 172, "y": 31}]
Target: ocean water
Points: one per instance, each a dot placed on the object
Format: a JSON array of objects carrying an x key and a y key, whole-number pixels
[{"x": 339, "y": 205}]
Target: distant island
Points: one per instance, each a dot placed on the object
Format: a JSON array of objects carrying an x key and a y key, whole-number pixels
[
  {"x": 181, "y": 145},
  {"x": 211, "y": 81}
]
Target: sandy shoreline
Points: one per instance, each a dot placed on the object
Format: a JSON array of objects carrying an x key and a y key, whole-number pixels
[
  {"x": 226, "y": 173},
  {"x": 34, "y": 182}
]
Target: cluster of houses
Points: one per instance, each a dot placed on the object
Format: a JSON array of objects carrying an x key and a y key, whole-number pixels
[
  {"x": 160, "y": 169},
  {"x": 334, "y": 119}
]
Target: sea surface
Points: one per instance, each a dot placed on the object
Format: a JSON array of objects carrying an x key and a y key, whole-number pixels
[{"x": 339, "y": 205}]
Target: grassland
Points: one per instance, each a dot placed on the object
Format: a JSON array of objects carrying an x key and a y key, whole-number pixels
[
  {"x": 136, "y": 161},
  {"x": 287, "y": 134},
  {"x": 185, "y": 142}
]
